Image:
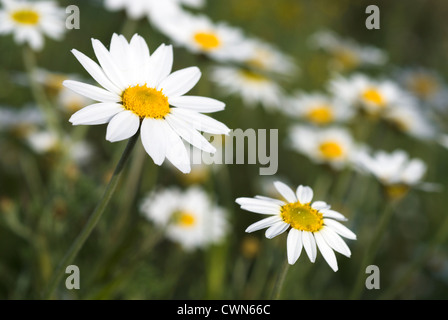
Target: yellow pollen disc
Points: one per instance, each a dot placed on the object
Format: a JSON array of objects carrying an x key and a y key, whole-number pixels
[
  {"x": 207, "y": 40},
  {"x": 331, "y": 150},
  {"x": 347, "y": 59},
  {"x": 373, "y": 96},
  {"x": 253, "y": 76},
  {"x": 302, "y": 217},
  {"x": 424, "y": 86},
  {"x": 184, "y": 219},
  {"x": 396, "y": 191},
  {"x": 320, "y": 115},
  {"x": 146, "y": 102},
  {"x": 26, "y": 16}
]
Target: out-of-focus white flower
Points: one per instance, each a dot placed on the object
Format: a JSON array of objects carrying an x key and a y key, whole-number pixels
[
  {"x": 188, "y": 217},
  {"x": 396, "y": 171},
  {"x": 200, "y": 35},
  {"x": 42, "y": 141},
  {"x": 141, "y": 92},
  {"x": 12, "y": 118},
  {"x": 372, "y": 96},
  {"x": 318, "y": 109},
  {"x": 312, "y": 225},
  {"x": 345, "y": 53},
  {"x": 333, "y": 145},
  {"x": 253, "y": 87},
  {"x": 30, "y": 21}
]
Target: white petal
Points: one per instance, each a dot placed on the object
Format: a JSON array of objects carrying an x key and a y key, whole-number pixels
[
  {"x": 96, "y": 72},
  {"x": 326, "y": 251},
  {"x": 327, "y": 213},
  {"x": 98, "y": 113},
  {"x": 340, "y": 228},
  {"x": 304, "y": 194},
  {"x": 108, "y": 64},
  {"x": 264, "y": 223},
  {"x": 275, "y": 201},
  {"x": 199, "y": 104},
  {"x": 122, "y": 126},
  {"x": 320, "y": 205},
  {"x": 180, "y": 82},
  {"x": 176, "y": 152},
  {"x": 189, "y": 134},
  {"x": 201, "y": 122},
  {"x": 154, "y": 139},
  {"x": 160, "y": 65},
  {"x": 285, "y": 191},
  {"x": 91, "y": 92},
  {"x": 276, "y": 229},
  {"x": 294, "y": 245},
  {"x": 335, "y": 241},
  {"x": 257, "y": 202},
  {"x": 260, "y": 209},
  {"x": 310, "y": 245}
]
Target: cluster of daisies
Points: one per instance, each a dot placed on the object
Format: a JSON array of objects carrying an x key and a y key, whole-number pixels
[{"x": 137, "y": 92}]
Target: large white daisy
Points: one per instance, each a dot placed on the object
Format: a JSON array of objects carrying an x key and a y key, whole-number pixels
[
  {"x": 311, "y": 225},
  {"x": 29, "y": 21},
  {"x": 141, "y": 92}
]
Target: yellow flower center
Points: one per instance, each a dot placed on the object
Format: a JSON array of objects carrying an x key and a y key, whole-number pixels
[
  {"x": 331, "y": 150},
  {"x": 320, "y": 115},
  {"x": 26, "y": 16},
  {"x": 346, "y": 58},
  {"x": 184, "y": 219},
  {"x": 207, "y": 40},
  {"x": 424, "y": 85},
  {"x": 302, "y": 217},
  {"x": 396, "y": 191},
  {"x": 146, "y": 102},
  {"x": 253, "y": 76},
  {"x": 373, "y": 96}
]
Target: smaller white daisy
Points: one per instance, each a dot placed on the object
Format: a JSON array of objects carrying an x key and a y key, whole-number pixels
[
  {"x": 318, "y": 109},
  {"x": 396, "y": 171},
  {"x": 333, "y": 145},
  {"x": 188, "y": 217},
  {"x": 29, "y": 21},
  {"x": 253, "y": 87},
  {"x": 371, "y": 96},
  {"x": 216, "y": 40},
  {"x": 312, "y": 225}
]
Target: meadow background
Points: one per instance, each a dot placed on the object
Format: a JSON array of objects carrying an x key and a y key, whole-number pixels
[{"x": 45, "y": 199}]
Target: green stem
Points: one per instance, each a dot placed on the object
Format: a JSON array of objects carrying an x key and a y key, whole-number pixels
[
  {"x": 278, "y": 286},
  {"x": 372, "y": 248},
  {"x": 93, "y": 220}
]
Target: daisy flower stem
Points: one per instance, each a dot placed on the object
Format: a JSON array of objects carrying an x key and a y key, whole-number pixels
[
  {"x": 38, "y": 92},
  {"x": 280, "y": 281},
  {"x": 372, "y": 248},
  {"x": 93, "y": 220}
]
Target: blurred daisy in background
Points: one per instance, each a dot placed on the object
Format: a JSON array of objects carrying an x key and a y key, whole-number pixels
[
  {"x": 346, "y": 54},
  {"x": 196, "y": 32},
  {"x": 265, "y": 57},
  {"x": 406, "y": 116},
  {"x": 252, "y": 87},
  {"x": 140, "y": 92},
  {"x": 20, "y": 120},
  {"x": 318, "y": 109},
  {"x": 311, "y": 225},
  {"x": 370, "y": 96},
  {"x": 189, "y": 218},
  {"x": 333, "y": 146},
  {"x": 396, "y": 171},
  {"x": 30, "y": 21}
]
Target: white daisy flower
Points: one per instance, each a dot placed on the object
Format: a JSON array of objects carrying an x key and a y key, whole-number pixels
[
  {"x": 253, "y": 87},
  {"x": 188, "y": 217},
  {"x": 372, "y": 96},
  {"x": 409, "y": 119},
  {"x": 396, "y": 171},
  {"x": 141, "y": 92},
  {"x": 267, "y": 58},
  {"x": 333, "y": 145},
  {"x": 347, "y": 54},
  {"x": 318, "y": 109},
  {"x": 312, "y": 225},
  {"x": 200, "y": 35},
  {"x": 30, "y": 21}
]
